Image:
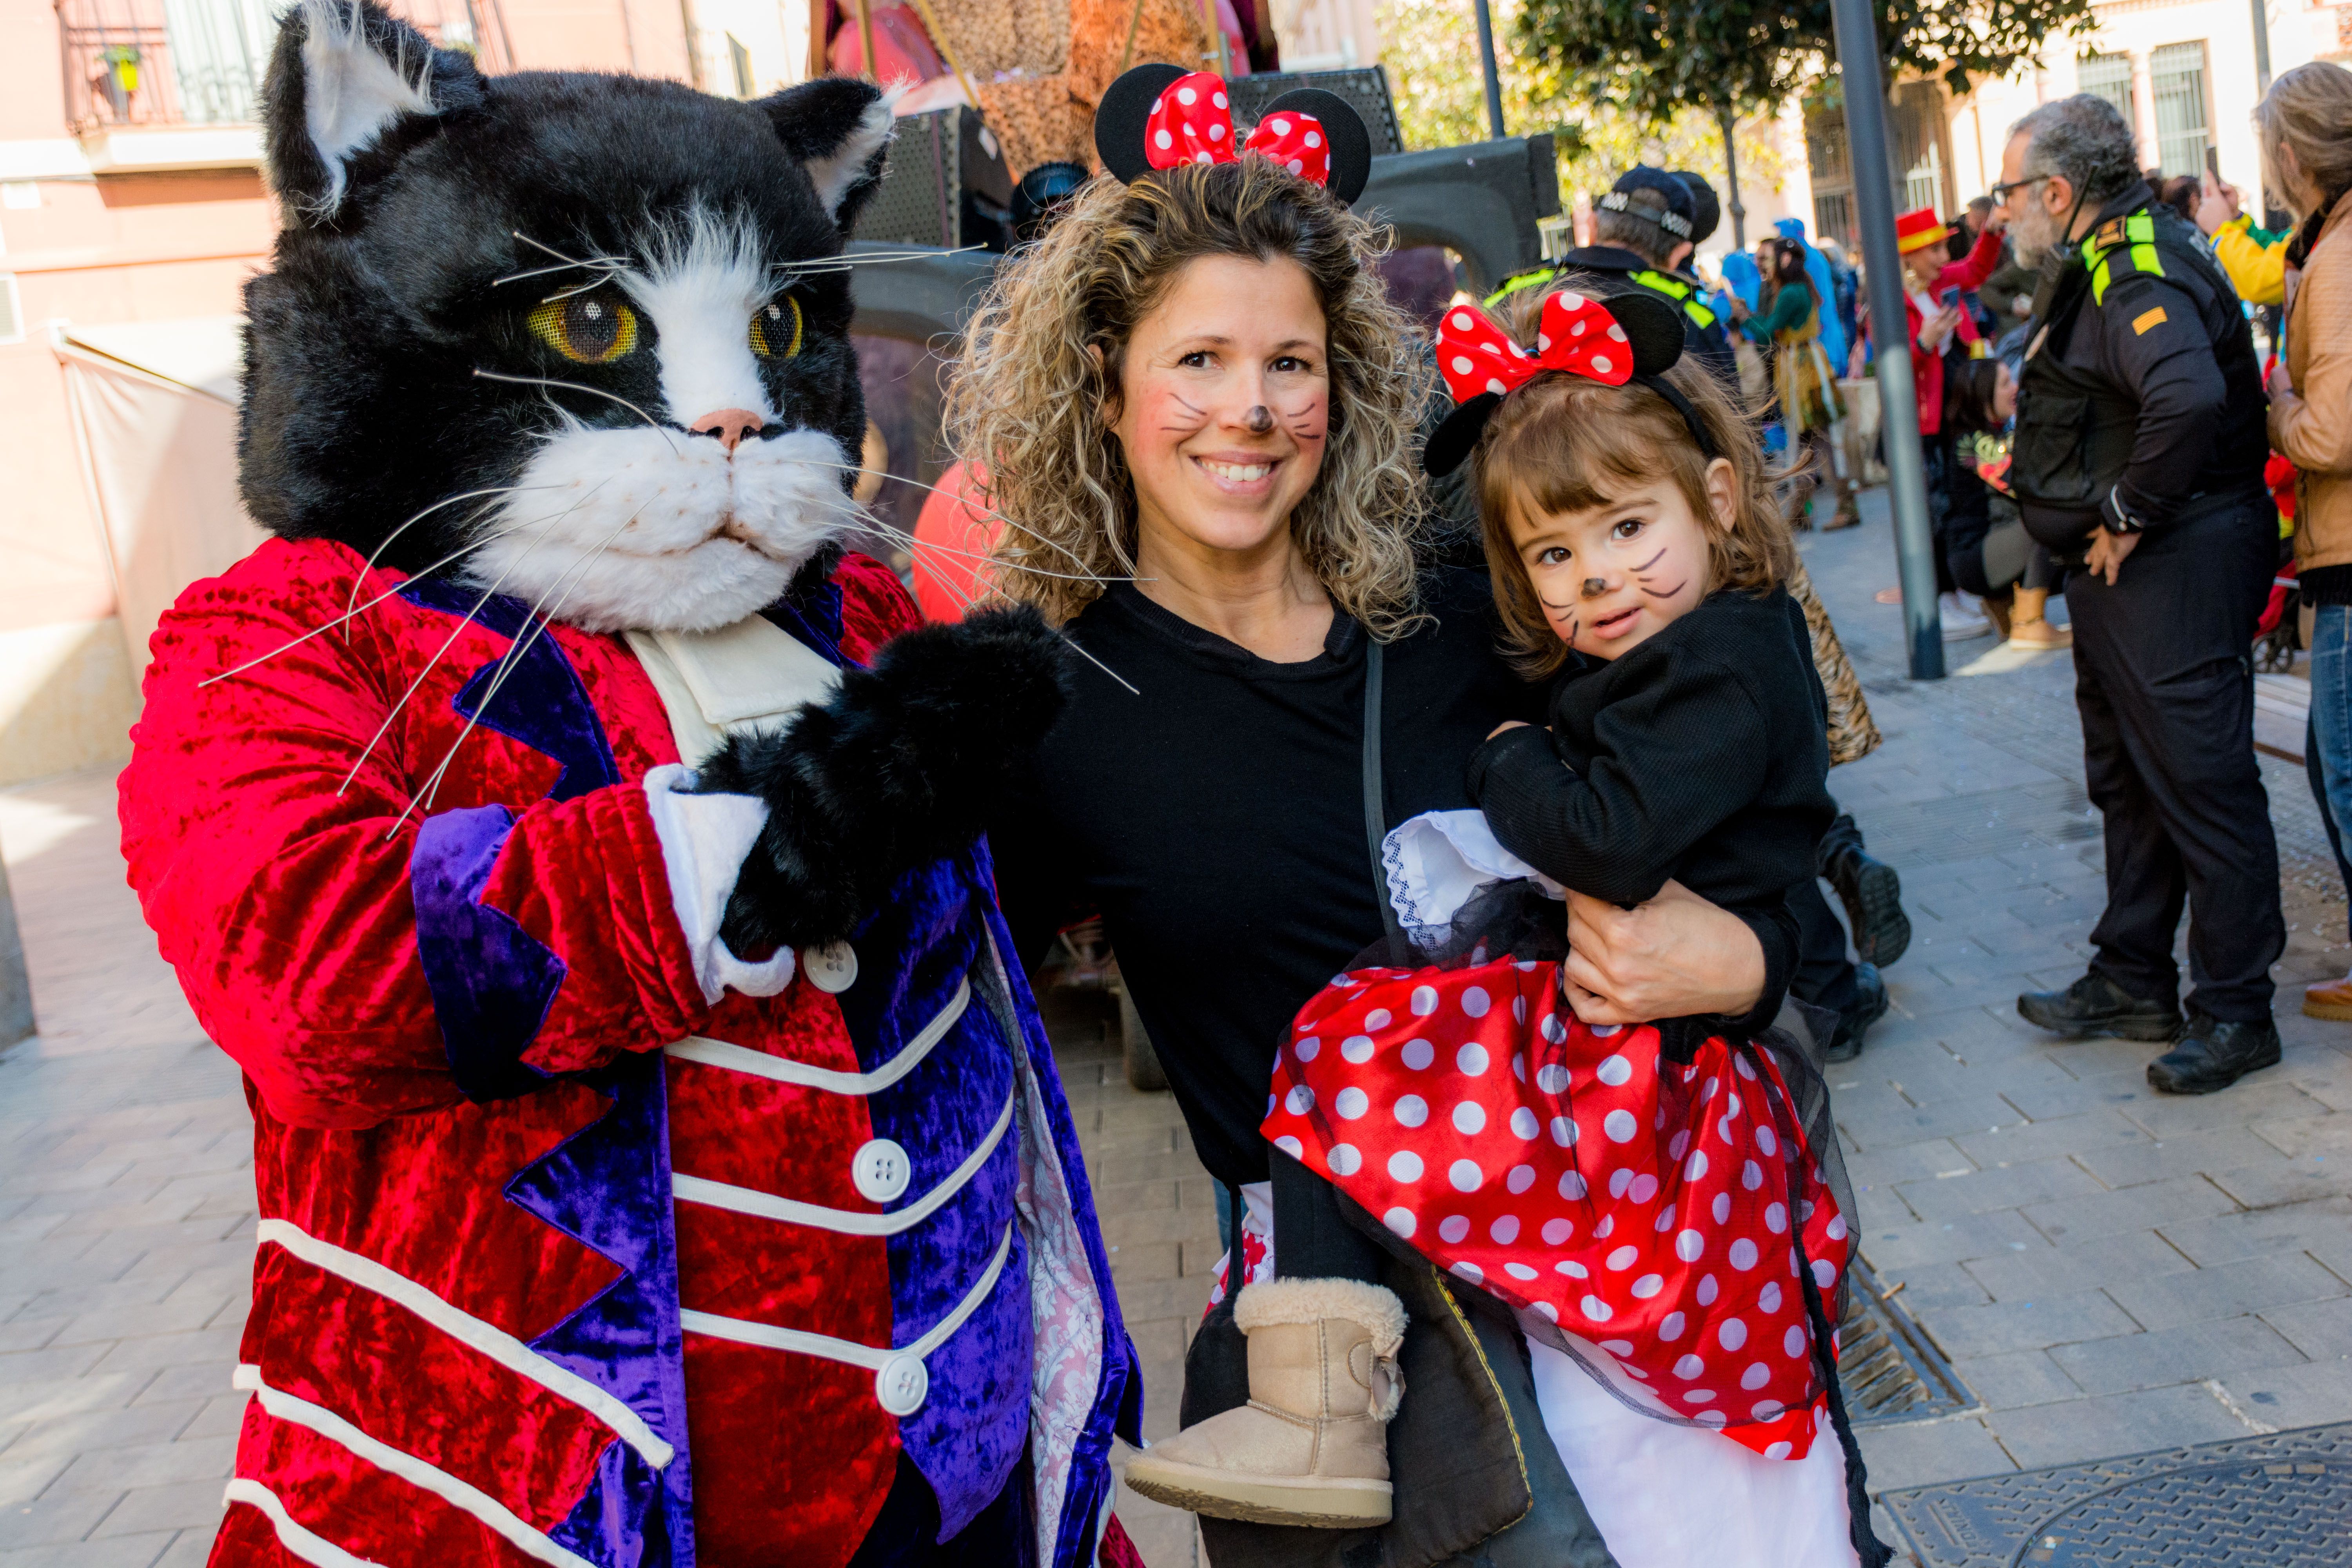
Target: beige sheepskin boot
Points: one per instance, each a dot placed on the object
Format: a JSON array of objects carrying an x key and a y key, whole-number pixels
[{"x": 1311, "y": 1445}]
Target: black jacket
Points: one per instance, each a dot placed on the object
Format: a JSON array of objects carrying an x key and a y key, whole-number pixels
[{"x": 2141, "y": 391}]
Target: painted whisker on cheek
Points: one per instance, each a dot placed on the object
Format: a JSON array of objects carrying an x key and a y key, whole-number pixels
[
  {"x": 1652, "y": 561},
  {"x": 1664, "y": 592}
]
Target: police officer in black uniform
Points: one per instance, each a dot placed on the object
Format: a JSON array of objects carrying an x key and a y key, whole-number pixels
[
  {"x": 1647, "y": 226},
  {"x": 2138, "y": 458}
]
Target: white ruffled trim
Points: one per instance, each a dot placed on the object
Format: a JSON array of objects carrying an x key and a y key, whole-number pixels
[
  {"x": 704, "y": 838},
  {"x": 1438, "y": 861}
]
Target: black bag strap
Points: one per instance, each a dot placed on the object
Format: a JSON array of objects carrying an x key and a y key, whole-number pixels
[{"x": 1376, "y": 812}]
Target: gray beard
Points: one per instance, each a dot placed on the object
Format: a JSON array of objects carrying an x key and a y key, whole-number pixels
[{"x": 2033, "y": 236}]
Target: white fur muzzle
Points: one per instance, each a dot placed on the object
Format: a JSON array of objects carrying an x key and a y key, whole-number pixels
[{"x": 652, "y": 530}]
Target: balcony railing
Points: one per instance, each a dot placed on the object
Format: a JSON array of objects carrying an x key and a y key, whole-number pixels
[{"x": 200, "y": 62}]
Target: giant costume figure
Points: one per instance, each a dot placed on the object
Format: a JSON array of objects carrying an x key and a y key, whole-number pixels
[{"x": 658, "y": 1156}]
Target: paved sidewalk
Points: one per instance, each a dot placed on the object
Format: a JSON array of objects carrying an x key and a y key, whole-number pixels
[
  {"x": 126, "y": 1219},
  {"x": 2112, "y": 1270}
]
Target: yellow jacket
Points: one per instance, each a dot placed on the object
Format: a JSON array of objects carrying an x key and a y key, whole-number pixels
[{"x": 2258, "y": 270}]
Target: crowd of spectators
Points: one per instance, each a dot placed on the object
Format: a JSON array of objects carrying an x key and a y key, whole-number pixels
[{"x": 2136, "y": 396}]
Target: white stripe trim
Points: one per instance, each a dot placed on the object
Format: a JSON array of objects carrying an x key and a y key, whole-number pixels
[
  {"x": 463, "y": 1496},
  {"x": 769, "y": 1337},
  {"x": 297, "y": 1541},
  {"x": 847, "y": 1222},
  {"x": 474, "y": 1333},
  {"x": 760, "y": 1064}
]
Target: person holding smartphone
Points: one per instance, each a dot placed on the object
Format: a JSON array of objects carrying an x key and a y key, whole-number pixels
[{"x": 1941, "y": 323}]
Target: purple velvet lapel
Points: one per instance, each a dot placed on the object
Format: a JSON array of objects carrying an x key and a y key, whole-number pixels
[
  {"x": 491, "y": 981},
  {"x": 1119, "y": 1400},
  {"x": 608, "y": 1186},
  {"x": 540, "y": 701}
]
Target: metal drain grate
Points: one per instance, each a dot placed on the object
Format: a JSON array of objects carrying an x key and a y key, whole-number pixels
[
  {"x": 1891, "y": 1371},
  {"x": 2280, "y": 1501}
]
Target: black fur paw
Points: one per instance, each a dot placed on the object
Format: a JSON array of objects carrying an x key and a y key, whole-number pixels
[{"x": 904, "y": 765}]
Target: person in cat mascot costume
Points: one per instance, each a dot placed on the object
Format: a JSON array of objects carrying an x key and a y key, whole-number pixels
[{"x": 656, "y": 1167}]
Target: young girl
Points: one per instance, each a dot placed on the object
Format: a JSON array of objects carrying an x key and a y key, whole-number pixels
[{"x": 1649, "y": 1199}]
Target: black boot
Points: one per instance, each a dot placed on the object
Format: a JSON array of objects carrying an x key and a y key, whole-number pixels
[
  {"x": 1871, "y": 891},
  {"x": 1868, "y": 1007},
  {"x": 2097, "y": 1005},
  {"x": 2214, "y": 1055}
]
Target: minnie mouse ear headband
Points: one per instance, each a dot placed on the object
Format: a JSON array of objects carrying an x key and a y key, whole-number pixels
[
  {"x": 1632, "y": 337},
  {"x": 1158, "y": 117}
]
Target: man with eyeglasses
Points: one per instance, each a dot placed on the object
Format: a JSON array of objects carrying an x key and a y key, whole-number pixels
[{"x": 2138, "y": 459}]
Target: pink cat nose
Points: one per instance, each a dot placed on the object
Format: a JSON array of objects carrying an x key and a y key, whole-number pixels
[{"x": 731, "y": 425}]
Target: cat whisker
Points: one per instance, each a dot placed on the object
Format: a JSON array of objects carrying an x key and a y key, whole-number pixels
[
  {"x": 966, "y": 502},
  {"x": 568, "y": 261},
  {"x": 522, "y": 645},
  {"x": 594, "y": 283},
  {"x": 377, "y": 553},
  {"x": 353, "y": 613},
  {"x": 898, "y": 535},
  {"x": 546, "y": 527},
  {"x": 651, "y": 423},
  {"x": 950, "y": 588},
  {"x": 600, "y": 264}
]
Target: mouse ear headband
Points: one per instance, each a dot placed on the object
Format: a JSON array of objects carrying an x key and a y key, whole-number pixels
[
  {"x": 1631, "y": 338},
  {"x": 1158, "y": 117}
]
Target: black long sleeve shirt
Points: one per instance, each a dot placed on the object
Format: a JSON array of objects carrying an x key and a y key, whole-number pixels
[
  {"x": 1216, "y": 821},
  {"x": 1701, "y": 756}
]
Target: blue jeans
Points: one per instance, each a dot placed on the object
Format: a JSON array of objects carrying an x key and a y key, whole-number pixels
[{"x": 2328, "y": 750}]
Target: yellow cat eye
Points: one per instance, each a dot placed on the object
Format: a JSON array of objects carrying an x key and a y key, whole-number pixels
[
  {"x": 776, "y": 328},
  {"x": 592, "y": 329}
]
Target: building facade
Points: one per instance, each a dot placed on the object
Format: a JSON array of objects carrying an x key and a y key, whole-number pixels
[
  {"x": 2183, "y": 72},
  {"x": 132, "y": 211}
]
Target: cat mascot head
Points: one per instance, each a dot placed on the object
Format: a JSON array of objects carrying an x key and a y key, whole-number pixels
[{"x": 580, "y": 338}]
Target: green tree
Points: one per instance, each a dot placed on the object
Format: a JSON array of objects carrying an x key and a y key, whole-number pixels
[
  {"x": 1431, "y": 50},
  {"x": 1654, "y": 60}
]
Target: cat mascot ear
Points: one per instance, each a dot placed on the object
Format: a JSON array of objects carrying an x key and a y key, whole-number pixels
[
  {"x": 349, "y": 89},
  {"x": 839, "y": 130}
]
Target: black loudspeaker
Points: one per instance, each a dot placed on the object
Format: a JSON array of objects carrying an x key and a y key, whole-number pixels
[
  {"x": 1366, "y": 90},
  {"x": 945, "y": 185}
]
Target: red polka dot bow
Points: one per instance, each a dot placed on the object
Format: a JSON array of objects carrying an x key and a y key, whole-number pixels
[
  {"x": 1193, "y": 122},
  {"x": 1576, "y": 336}
]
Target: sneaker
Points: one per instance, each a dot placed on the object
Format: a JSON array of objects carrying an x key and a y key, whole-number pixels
[
  {"x": 2214, "y": 1055},
  {"x": 1869, "y": 1005},
  {"x": 1963, "y": 618},
  {"x": 2097, "y": 1005},
  {"x": 1871, "y": 891}
]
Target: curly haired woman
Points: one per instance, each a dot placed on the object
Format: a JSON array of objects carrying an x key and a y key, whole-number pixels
[{"x": 1196, "y": 408}]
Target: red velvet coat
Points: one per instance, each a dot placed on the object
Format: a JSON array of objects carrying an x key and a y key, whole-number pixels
[{"x": 466, "y": 1329}]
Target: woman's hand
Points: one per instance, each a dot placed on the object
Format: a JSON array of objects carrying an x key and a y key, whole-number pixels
[
  {"x": 1669, "y": 958},
  {"x": 2217, "y": 203},
  {"x": 1507, "y": 724},
  {"x": 2281, "y": 385},
  {"x": 1939, "y": 327}
]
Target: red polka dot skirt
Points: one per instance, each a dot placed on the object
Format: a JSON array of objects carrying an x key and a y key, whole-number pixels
[{"x": 1659, "y": 1212}]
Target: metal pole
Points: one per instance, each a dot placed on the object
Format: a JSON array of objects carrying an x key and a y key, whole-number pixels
[
  {"x": 1487, "y": 63},
  {"x": 1890, "y": 335},
  {"x": 2262, "y": 47},
  {"x": 15, "y": 989},
  {"x": 1722, "y": 117}
]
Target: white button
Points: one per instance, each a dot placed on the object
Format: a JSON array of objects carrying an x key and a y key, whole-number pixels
[
  {"x": 902, "y": 1385},
  {"x": 832, "y": 967},
  {"x": 881, "y": 1171}
]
